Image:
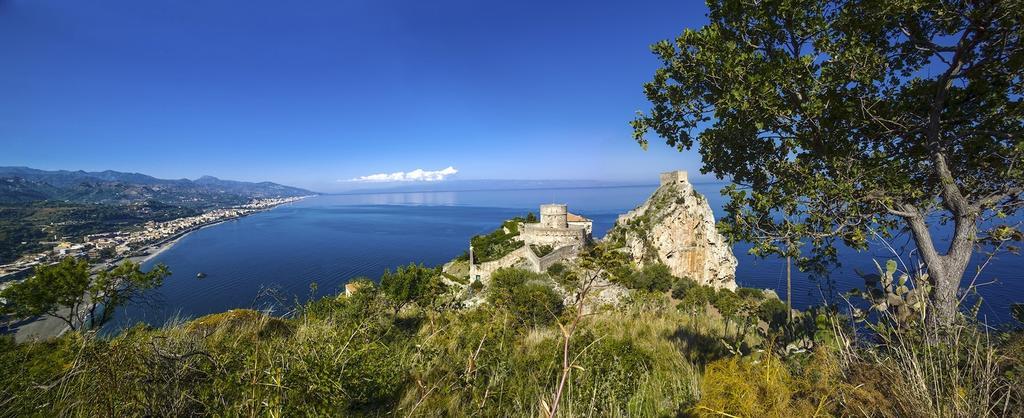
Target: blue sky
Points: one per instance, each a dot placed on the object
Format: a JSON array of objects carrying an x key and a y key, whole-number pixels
[{"x": 309, "y": 93}]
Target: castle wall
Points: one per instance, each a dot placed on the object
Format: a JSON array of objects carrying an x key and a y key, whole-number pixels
[
  {"x": 554, "y": 229},
  {"x": 482, "y": 271},
  {"x": 587, "y": 226},
  {"x": 537, "y": 234},
  {"x": 562, "y": 253},
  {"x": 670, "y": 177}
]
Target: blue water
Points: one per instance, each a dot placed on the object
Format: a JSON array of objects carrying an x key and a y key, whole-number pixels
[{"x": 272, "y": 258}]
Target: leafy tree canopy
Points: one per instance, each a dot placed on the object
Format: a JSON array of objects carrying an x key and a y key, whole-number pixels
[
  {"x": 840, "y": 119},
  {"x": 69, "y": 291}
]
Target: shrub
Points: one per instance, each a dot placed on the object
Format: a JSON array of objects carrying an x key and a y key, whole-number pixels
[
  {"x": 681, "y": 286},
  {"x": 412, "y": 283},
  {"x": 727, "y": 302},
  {"x": 611, "y": 373},
  {"x": 542, "y": 250},
  {"x": 773, "y": 312},
  {"x": 563, "y": 276},
  {"x": 557, "y": 269},
  {"x": 498, "y": 243},
  {"x": 525, "y": 295},
  {"x": 750, "y": 293},
  {"x": 655, "y": 277},
  {"x": 739, "y": 387},
  {"x": 696, "y": 298}
]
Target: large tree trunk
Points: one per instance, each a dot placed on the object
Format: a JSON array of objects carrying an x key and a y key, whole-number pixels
[{"x": 945, "y": 271}]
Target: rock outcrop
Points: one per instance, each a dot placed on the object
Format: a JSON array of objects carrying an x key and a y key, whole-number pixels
[{"x": 676, "y": 227}]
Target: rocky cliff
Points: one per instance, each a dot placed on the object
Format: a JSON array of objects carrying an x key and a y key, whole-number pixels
[{"x": 676, "y": 227}]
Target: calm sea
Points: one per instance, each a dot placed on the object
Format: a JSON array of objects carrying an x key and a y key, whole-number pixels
[{"x": 273, "y": 258}]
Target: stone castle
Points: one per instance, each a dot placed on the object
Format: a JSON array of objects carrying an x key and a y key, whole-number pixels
[
  {"x": 675, "y": 227},
  {"x": 565, "y": 233}
]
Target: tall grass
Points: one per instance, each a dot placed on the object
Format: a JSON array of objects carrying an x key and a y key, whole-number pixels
[
  {"x": 353, "y": 356},
  {"x": 952, "y": 372}
]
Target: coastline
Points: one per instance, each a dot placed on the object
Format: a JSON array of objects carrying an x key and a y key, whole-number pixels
[
  {"x": 44, "y": 327},
  {"x": 157, "y": 248}
]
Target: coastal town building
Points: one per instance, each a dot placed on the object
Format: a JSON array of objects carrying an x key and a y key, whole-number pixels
[
  {"x": 558, "y": 235},
  {"x": 124, "y": 243}
]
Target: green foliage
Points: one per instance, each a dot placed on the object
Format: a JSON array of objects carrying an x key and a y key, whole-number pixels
[
  {"x": 499, "y": 243},
  {"x": 894, "y": 296},
  {"x": 92, "y": 299},
  {"x": 738, "y": 387},
  {"x": 611, "y": 371},
  {"x": 24, "y": 368},
  {"x": 681, "y": 286},
  {"x": 50, "y": 288},
  {"x": 773, "y": 312},
  {"x": 558, "y": 269},
  {"x": 413, "y": 284},
  {"x": 542, "y": 250},
  {"x": 351, "y": 356},
  {"x": 696, "y": 298},
  {"x": 1017, "y": 311},
  {"x": 727, "y": 302},
  {"x": 750, "y": 293},
  {"x": 564, "y": 276},
  {"x": 526, "y": 295},
  {"x": 654, "y": 277},
  {"x": 896, "y": 114},
  {"x": 456, "y": 279}
]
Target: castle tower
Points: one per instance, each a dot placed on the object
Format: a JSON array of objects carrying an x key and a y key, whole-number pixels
[
  {"x": 673, "y": 177},
  {"x": 554, "y": 216}
]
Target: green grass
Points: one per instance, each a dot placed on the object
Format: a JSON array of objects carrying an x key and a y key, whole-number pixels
[{"x": 354, "y": 356}]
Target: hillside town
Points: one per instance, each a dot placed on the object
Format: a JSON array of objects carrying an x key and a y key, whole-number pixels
[{"x": 116, "y": 245}]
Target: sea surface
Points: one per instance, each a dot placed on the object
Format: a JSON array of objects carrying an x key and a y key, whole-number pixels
[{"x": 311, "y": 248}]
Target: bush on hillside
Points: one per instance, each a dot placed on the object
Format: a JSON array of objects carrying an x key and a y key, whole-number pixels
[
  {"x": 681, "y": 286},
  {"x": 773, "y": 312},
  {"x": 413, "y": 284},
  {"x": 526, "y": 295},
  {"x": 498, "y": 243},
  {"x": 696, "y": 298},
  {"x": 652, "y": 277}
]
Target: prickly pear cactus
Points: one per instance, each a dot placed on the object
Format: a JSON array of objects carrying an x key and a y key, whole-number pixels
[{"x": 895, "y": 295}]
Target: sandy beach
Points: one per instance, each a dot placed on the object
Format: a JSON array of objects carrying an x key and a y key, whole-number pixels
[
  {"x": 47, "y": 327},
  {"x": 155, "y": 249}
]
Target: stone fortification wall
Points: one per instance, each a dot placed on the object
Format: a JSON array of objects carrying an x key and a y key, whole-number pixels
[
  {"x": 538, "y": 234},
  {"x": 553, "y": 230},
  {"x": 559, "y": 254},
  {"x": 674, "y": 177},
  {"x": 587, "y": 226},
  {"x": 482, "y": 271}
]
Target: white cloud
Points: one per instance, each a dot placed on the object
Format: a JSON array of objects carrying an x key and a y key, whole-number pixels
[{"x": 418, "y": 174}]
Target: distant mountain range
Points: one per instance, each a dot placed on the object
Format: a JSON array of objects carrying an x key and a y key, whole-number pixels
[{"x": 25, "y": 185}]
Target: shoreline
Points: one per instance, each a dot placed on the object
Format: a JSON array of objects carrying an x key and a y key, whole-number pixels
[
  {"x": 45, "y": 327},
  {"x": 158, "y": 248}
]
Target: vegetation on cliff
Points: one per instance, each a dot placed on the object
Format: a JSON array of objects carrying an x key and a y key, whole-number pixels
[
  {"x": 499, "y": 242},
  {"x": 408, "y": 347}
]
